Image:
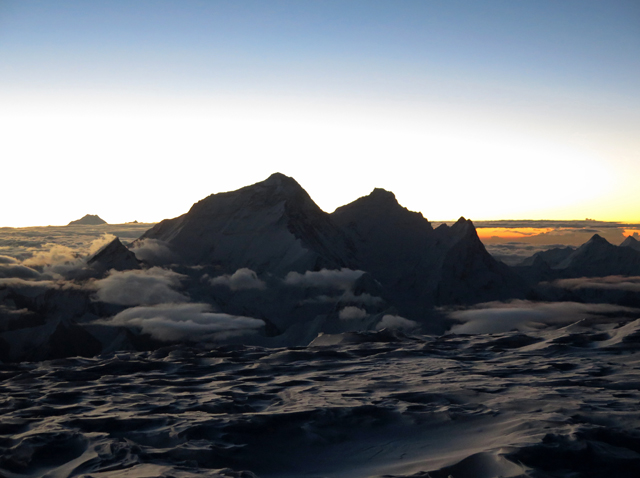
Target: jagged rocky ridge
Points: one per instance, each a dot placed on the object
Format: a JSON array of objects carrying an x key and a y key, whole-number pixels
[
  {"x": 274, "y": 227},
  {"x": 419, "y": 265},
  {"x": 595, "y": 258}
]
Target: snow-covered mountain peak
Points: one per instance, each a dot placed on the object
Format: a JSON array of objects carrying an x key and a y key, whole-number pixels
[
  {"x": 276, "y": 190},
  {"x": 272, "y": 225}
]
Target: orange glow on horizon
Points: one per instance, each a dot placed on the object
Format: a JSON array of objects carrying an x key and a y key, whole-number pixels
[
  {"x": 511, "y": 233},
  {"x": 631, "y": 232}
]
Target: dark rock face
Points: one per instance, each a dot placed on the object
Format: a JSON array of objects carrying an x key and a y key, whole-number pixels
[
  {"x": 88, "y": 220},
  {"x": 387, "y": 236},
  {"x": 419, "y": 266},
  {"x": 272, "y": 226},
  {"x": 468, "y": 273}
]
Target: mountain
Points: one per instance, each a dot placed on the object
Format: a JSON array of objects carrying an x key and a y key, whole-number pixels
[
  {"x": 631, "y": 242},
  {"x": 418, "y": 265},
  {"x": 271, "y": 226},
  {"x": 113, "y": 255},
  {"x": 468, "y": 273},
  {"x": 88, "y": 220},
  {"x": 597, "y": 257},
  {"x": 389, "y": 238}
]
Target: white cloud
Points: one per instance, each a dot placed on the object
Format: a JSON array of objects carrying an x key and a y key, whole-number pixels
[
  {"x": 242, "y": 279},
  {"x": 33, "y": 288},
  {"x": 140, "y": 287},
  {"x": 101, "y": 241},
  {"x": 352, "y": 313},
  {"x": 153, "y": 251},
  {"x": 184, "y": 322},
  {"x": 395, "y": 322},
  {"x": 17, "y": 270},
  {"x": 333, "y": 279},
  {"x": 8, "y": 260},
  {"x": 54, "y": 254}
]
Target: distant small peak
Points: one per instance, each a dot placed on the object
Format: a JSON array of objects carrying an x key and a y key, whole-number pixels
[{"x": 88, "y": 220}]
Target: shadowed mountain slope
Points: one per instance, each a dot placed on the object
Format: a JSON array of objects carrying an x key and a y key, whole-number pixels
[
  {"x": 631, "y": 242},
  {"x": 114, "y": 255},
  {"x": 468, "y": 273}
]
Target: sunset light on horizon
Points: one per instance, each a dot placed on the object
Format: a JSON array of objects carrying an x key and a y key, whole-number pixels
[{"x": 487, "y": 110}]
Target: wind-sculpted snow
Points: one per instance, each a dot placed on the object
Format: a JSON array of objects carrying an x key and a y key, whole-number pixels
[{"x": 548, "y": 403}]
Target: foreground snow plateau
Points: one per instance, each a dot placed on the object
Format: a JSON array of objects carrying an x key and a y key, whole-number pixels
[{"x": 557, "y": 402}]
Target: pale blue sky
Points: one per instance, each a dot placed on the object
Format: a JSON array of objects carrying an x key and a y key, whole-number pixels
[{"x": 196, "y": 97}]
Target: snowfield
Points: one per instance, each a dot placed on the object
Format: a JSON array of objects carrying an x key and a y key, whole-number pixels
[{"x": 559, "y": 402}]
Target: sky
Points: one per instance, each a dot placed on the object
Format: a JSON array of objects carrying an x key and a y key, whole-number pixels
[{"x": 488, "y": 110}]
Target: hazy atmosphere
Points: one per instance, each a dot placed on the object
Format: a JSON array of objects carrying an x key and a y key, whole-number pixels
[{"x": 491, "y": 110}]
